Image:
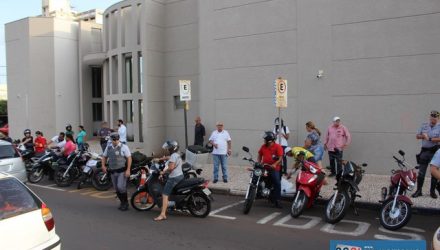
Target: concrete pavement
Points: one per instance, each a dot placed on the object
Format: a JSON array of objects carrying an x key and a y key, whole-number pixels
[{"x": 370, "y": 187}]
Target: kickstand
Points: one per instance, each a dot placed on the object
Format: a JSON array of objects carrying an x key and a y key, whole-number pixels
[{"x": 356, "y": 212}]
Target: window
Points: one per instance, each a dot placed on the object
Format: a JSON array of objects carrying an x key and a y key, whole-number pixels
[
  {"x": 128, "y": 81},
  {"x": 8, "y": 151},
  {"x": 140, "y": 72},
  {"x": 141, "y": 117},
  {"x": 97, "y": 112},
  {"x": 96, "y": 83},
  {"x": 16, "y": 199}
]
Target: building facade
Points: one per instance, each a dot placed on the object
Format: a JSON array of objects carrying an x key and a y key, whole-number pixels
[{"x": 377, "y": 61}]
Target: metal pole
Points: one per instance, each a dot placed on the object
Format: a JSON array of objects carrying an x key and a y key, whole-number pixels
[
  {"x": 279, "y": 127},
  {"x": 186, "y": 123}
]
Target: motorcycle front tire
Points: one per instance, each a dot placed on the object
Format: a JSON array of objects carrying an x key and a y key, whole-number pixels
[
  {"x": 35, "y": 175},
  {"x": 404, "y": 214},
  {"x": 300, "y": 204},
  {"x": 343, "y": 202},
  {"x": 139, "y": 201},
  {"x": 60, "y": 180},
  {"x": 250, "y": 200},
  {"x": 101, "y": 185}
]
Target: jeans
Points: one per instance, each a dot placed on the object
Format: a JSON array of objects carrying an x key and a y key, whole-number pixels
[
  {"x": 284, "y": 163},
  {"x": 318, "y": 153},
  {"x": 220, "y": 159},
  {"x": 334, "y": 158},
  {"x": 275, "y": 177}
]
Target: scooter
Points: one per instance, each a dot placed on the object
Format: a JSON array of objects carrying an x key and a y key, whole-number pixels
[
  {"x": 44, "y": 165},
  {"x": 395, "y": 211},
  {"x": 308, "y": 184}
]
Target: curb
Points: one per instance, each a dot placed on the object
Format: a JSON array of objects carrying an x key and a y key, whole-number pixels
[{"x": 359, "y": 204}]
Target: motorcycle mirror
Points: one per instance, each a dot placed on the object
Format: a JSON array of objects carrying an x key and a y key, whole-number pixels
[
  {"x": 401, "y": 152},
  {"x": 245, "y": 149},
  {"x": 364, "y": 164},
  {"x": 244, "y": 158},
  {"x": 416, "y": 167}
]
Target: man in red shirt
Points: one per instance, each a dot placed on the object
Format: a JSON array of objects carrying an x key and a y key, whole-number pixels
[
  {"x": 271, "y": 153},
  {"x": 40, "y": 143}
]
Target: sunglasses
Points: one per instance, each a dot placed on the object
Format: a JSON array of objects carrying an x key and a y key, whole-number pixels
[{"x": 434, "y": 116}]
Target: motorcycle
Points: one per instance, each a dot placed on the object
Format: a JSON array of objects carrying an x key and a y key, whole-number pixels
[
  {"x": 395, "y": 211},
  {"x": 260, "y": 185},
  {"x": 190, "y": 194},
  {"x": 70, "y": 169},
  {"x": 345, "y": 192},
  {"x": 189, "y": 171},
  {"x": 43, "y": 165},
  {"x": 27, "y": 155},
  {"x": 92, "y": 166},
  {"x": 308, "y": 184}
]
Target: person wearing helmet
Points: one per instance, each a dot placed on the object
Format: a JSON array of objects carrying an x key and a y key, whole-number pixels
[
  {"x": 69, "y": 130},
  {"x": 174, "y": 169},
  {"x": 28, "y": 140},
  {"x": 119, "y": 165},
  {"x": 271, "y": 153}
]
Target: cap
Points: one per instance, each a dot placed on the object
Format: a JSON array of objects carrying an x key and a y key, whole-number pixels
[
  {"x": 435, "y": 113},
  {"x": 336, "y": 118},
  {"x": 219, "y": 124},
  {"x": 287, "y": 150}
]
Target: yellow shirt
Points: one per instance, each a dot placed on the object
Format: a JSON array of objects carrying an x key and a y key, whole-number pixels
[{"x": 297, "y": 150}]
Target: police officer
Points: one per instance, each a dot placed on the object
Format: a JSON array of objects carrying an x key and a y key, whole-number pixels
[
  {"x": 429, "y": 133},
  {"x": 119, "y": 165}
]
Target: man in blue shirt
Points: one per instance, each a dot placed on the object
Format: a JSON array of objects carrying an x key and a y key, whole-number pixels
[
  {"x": 435, "y": 168},
  {"x": 429, "y": 133}
]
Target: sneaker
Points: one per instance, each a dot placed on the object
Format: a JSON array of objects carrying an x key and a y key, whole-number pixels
[
  {"x": 215, "y": 181},
  {"x": 433, "y": 195},
  {"x": 225, "y": 181}
]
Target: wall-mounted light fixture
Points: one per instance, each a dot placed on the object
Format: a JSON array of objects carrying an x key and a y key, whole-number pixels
[{"x": 320, "y": 74}]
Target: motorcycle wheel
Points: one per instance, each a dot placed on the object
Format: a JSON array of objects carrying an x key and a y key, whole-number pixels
[
  {"x": 35, "y": 176},
  {"x": 142, "y": 201},
  {"x": 199, "y": 205},
  {"x": 60, "y": 180},
  {"x": 101, "y": 185},
  {"x": 250, "y": 200},
  {"x": 300, "y": 204},
  {"x": 82, "y": 180},
  {"x": 393, "y": 220},
  {"x": 335, "y": 213}
]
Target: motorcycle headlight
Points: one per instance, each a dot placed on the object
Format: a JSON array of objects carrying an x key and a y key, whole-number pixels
[
  {"x": 313, "y": 178},
  {"x": 411, "y": 184},
  {"x": 313, "y": 170},
  {"x": 258, "y": 172}
]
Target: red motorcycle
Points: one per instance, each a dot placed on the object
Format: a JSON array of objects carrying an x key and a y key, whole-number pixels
[
  {"x": 396, "y": 207},
  {"x": 308, "y": 184}
]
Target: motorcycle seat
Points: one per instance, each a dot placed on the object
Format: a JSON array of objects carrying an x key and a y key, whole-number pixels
[
  {"x": 186, "y": 167},
  {"x": 188, "y": 183}
]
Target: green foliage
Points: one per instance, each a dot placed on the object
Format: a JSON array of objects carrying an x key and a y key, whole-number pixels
[{"x": 3, "y": 107}]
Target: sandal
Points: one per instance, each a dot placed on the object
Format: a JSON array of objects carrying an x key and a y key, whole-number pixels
[{"x": 160, "y": 218}]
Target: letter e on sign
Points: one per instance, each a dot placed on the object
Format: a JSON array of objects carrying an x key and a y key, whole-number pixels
[{"x": 185, "y": 90}]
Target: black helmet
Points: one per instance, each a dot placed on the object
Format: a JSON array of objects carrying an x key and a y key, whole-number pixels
[
  {"x": 171, "y": 146},
  {"x": 68, "y": 127},
  {"x": 27, "y": 131},
  {"x": 114, "y": 136},
  {"x": 269, "y": 136}
]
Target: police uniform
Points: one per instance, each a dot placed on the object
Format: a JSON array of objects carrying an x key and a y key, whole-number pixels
[
  {"x": 117, "y": 158},
  {"x": 426, "y": 153}
]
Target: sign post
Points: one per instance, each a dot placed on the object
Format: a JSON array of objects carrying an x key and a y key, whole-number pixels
[
  {"x": 280, "y": 99},
  {"x": 185, "y": 95}
]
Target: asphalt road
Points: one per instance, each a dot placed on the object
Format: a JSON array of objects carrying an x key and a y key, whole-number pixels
[{"x": 88, "y": 219}]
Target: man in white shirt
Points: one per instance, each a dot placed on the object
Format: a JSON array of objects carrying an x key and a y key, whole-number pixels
[
  {"x": 122, "y": 131},
  {"x": 221, "y": 142},
  {"x": 59, "y": 140}
]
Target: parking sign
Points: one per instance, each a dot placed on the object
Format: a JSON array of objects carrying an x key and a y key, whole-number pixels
[
  {"x": 280, "y": 93},
  {"x": 185, "y": 90}
]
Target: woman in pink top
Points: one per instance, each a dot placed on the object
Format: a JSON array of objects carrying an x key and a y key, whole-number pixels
[{"x": 70, "y": 146}]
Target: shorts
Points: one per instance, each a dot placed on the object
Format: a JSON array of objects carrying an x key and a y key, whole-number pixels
[
  {"x": 171, "y": 183},
  {"x": 318, "y": 153}
]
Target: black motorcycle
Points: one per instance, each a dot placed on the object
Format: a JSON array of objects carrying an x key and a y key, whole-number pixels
[
  {"x": 28, "y": 155},
  {"x": 260, "y": 185},
  {"x": 190, "y": 194},
  {"x": 43, "y": 165},
  {"x": 90, "y": 170},
  {"x": 345, "y": 192},
  {"x": 70, "y": 169}
]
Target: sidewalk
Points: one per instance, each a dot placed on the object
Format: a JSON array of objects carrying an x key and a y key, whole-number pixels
[{"x": 370, "y": 187}]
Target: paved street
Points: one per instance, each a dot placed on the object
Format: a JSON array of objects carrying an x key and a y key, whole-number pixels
[{"x": 88, "y": 219}]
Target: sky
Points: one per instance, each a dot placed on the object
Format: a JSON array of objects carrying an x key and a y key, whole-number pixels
[{"x": 15, "y": 10}]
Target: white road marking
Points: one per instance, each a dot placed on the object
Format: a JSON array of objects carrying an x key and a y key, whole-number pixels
[
  {"x": 361, "y": 229},
  {"x": 412, "y": 236},
  {"x": 268, "y": 218},
  {"x": 51, "y": 185},
  {"x": 215, "y": 212},
  {"x": 313, "y": 222},
  {"x": 47, "y": 187}
]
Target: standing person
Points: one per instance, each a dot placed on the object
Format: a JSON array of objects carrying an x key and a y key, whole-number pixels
[
  {"x": 337, "y": 140},
  {"x": 429, "y": 133},
  {"x": 174, "y": 168},
  {"x": 69, "y": 147},
  {"x": 69, "y": 130},
  {"x": 266, "y": 156},
  {"x": 58, "y": 140},
  {"x": 199, "y": 132},
  {"x": 39, "y": 143},
  {"x": 282, "y": 135},
  {"x": 80, "y": 139},
  {"x": 104, "y": 134},
  {"x": 28, "y": 140},
  {"x": 435, "y": 169},
  {"x": 221, "y": 141},
  {"x": 313, "y": 142},
  {"x": 122, "y": 131},
  {"x": 119, "y": 165}
]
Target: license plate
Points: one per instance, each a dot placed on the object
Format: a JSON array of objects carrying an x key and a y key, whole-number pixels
[
  {"x": 86, "y": 169},
  {"x": 92, "y": 163},
  {"x": 207, "y": 191}
]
